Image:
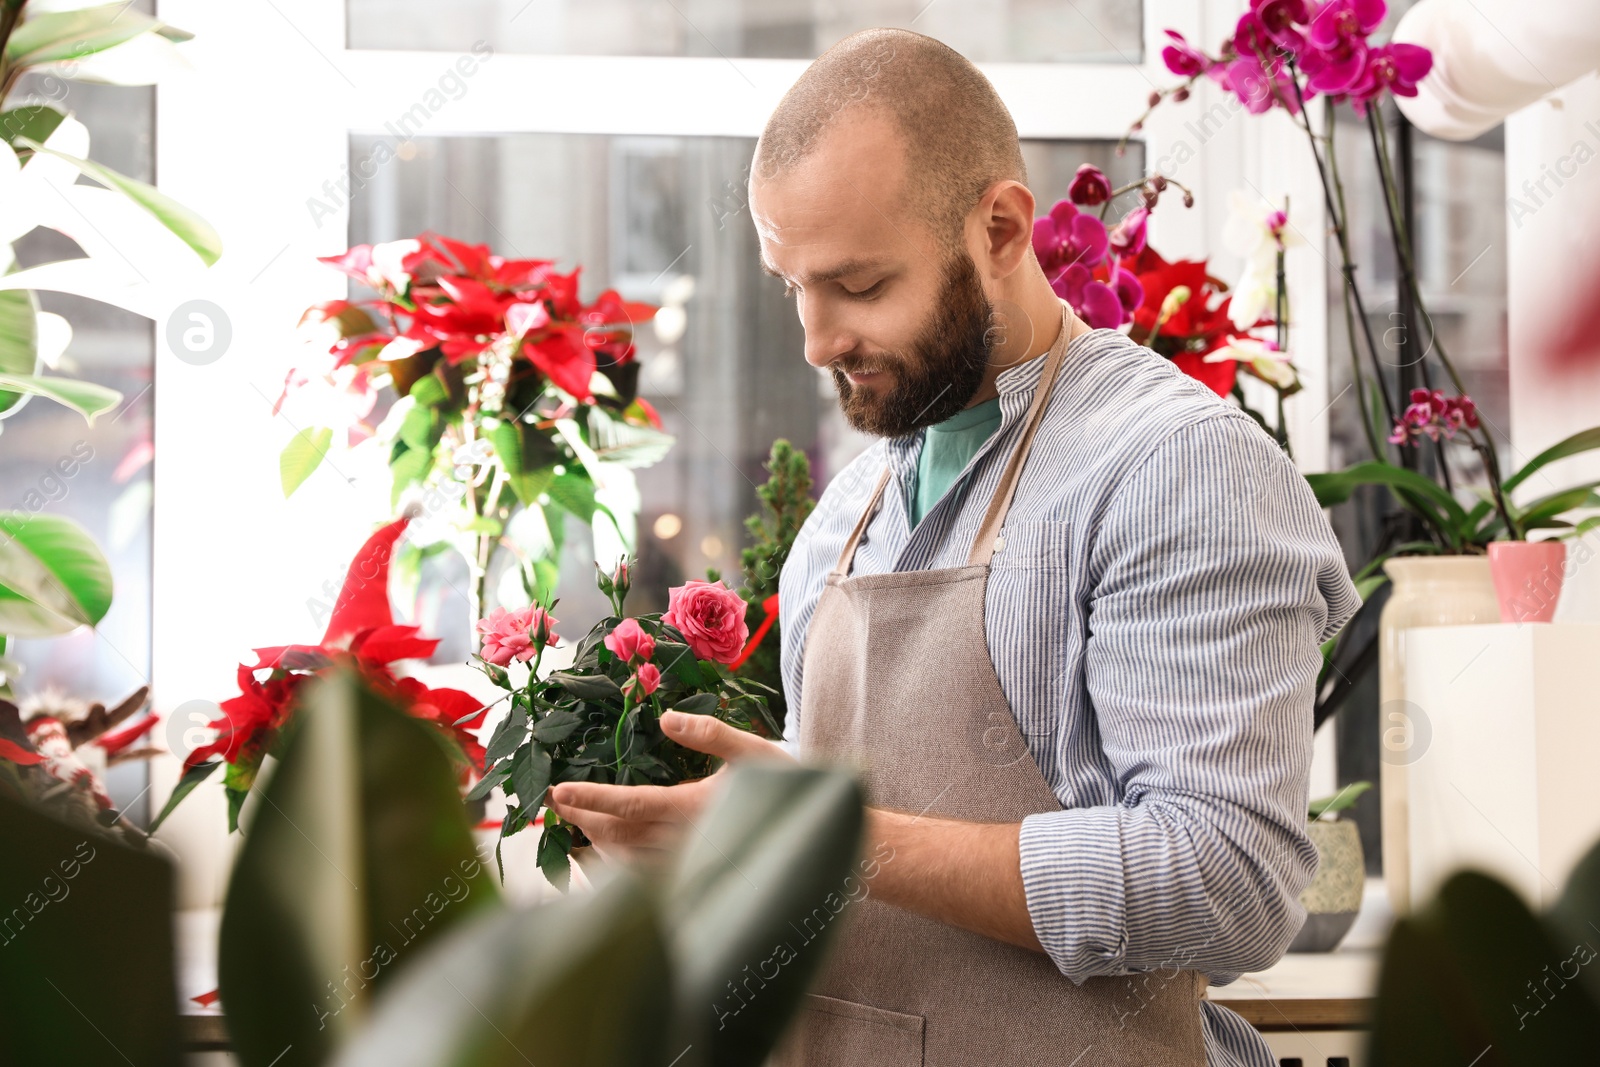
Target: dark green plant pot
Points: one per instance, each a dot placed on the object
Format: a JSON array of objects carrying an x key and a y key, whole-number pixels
[{"x": 1333, "y": 899}]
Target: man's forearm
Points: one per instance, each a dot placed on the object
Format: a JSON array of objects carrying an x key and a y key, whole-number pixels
[{"x": 966, "y": 874}]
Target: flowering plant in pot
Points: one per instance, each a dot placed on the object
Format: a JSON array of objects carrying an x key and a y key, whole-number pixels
[
  {"x": 507, "y": 396},
  {"x": 598, "y": 720},
  {"x": 1284, "y": 54},
  {"x": 361, "y": 636}
]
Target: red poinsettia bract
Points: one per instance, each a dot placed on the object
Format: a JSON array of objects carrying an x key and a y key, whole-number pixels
[{"x": 361, "y": 633}]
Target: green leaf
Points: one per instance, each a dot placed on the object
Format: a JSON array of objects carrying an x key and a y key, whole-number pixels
[
  {"x": 191, "y": 777},
  {"x": 555, "y": 848},
  {"x": 528, "y": 456},
  {"x": 486, "y": 784},
  {"x": 410, "y": 467},
  {"x": 88, "y": 935},
  {"x": 1540, "y": 512},
  {"x": 53, "y": 577},
  {"x": 358, "y": 856},
  {"x": 698, "y": 704},
  {"x": 587, "y": 686},
  {"x": 54, "y": 37},
  {"x": 1483, "y": 960},
  {"x": 1577, "y": 907},
  {"x": 1375, "y": 564},
  {"x": 1342, "y": 800},
  {"x": 1335, "y": 487},
  {"x": 301, "y": 456},
  {"x": 36, "y": 122},
  {"x": 428, "y": 391},
  {"x": 1582, "y": 441},
  {"x": 530, "y": 776},
  {"x": 19, "y": 338},
  {"x": 508, "y": 736},
  {"x": 678, "y": 660},
  {"x": 556, "y": 726},
  {"x": 188, "y": 227},
  {"x": 86, "y": 398},
  {"x": 583, "y": 982},
  {"x": 422, "y": 428},
  {"x": 624, "y": 443},
  {"x": 777, "y": 849}
]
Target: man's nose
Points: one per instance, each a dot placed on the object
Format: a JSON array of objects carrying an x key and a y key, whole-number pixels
[{"x": 826, "y": 341}]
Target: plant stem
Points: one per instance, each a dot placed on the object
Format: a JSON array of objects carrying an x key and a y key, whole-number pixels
[
  {"x": 10, "y": 15},
  {"x": 1403, "y": 251},
  {"x": 1347, "y": 268},
  {"x": 1357, "y": 379},
  {"x": 1411, "y": 305}
]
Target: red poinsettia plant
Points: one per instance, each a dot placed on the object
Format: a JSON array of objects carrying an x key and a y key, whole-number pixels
[
  {"x": 362, "y": 634},
  {"x": 1112, "y": 278},
  {"x": 508, "y": 390}
]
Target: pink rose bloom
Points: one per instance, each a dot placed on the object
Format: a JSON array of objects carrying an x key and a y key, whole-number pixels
[
  {"x": 711, "y": 618},
  {"x": 509, "y": 635},
  {"x": 647, "y": 679},
  {"x": 629, "y": 640}
]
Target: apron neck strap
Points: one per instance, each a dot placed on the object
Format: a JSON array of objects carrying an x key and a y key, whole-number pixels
[
  {"x": 984, "y": 544},
  {"x": 848, "y": 553},
  {"x": 983, "y": 547}
]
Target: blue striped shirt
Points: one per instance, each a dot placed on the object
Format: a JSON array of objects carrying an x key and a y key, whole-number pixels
[{"x": 1154, "y": 619}]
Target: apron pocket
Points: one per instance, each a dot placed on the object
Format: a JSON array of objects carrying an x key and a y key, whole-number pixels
[{"x": 841, "y": 1033}]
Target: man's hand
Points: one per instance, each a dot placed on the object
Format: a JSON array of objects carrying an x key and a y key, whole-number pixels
[{"x": 645, "y": 821}]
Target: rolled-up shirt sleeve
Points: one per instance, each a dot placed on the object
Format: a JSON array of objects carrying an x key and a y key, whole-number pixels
[{"x": 1214, "y": 580}]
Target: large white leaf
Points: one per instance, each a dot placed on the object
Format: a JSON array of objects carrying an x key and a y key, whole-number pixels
[
  {"x": 55, "y": 334},
  {"x": 195, "y": 231},
  {"x": 109, "y": 283},
  {"x": 28, "y": 193},
  {"x": 19, "y": 341},
  {"x": 86, "y": 398},
  {"x": 148, "y": 59},
  {"x": 110, "y": 227},
  {"x": 51, "y": 36}
]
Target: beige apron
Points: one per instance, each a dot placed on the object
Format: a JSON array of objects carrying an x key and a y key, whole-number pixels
[{"x": 898, "y": 683}]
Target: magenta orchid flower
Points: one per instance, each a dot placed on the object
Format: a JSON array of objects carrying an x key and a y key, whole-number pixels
[
  {"x": 1128, "y": 236},
  {"x": 1090, "y": 186},
  {"x": 1395, "y": 67},
  {"x": 1182, "y": 58},
  {"x": 1335, "y": 59},
  {"x": 1068, "y": 236},
  {"x": 1431, "y": 414}
]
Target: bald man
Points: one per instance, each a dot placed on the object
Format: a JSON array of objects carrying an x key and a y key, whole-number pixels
[{"x": 1063, "y": 618}]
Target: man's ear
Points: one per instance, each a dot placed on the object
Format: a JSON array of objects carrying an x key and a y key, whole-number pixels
[{"x": 1006, "y": 212}]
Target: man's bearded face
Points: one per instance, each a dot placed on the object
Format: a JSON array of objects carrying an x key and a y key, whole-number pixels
[{"x": 939, "y": 372}]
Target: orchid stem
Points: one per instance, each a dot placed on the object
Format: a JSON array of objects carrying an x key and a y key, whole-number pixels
[{"x": 1347, "y": 267}]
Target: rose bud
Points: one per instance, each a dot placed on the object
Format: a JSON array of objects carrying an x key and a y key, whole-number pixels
[
  {"x": 629, "y": 641},
  {"x": 647, "y": 679}
]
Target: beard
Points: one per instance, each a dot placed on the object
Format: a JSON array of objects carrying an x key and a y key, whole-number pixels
[{"x": 939, "y": 373}]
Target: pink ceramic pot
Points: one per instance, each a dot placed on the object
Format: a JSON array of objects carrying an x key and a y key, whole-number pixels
[{"x": 1527, "y": 578}]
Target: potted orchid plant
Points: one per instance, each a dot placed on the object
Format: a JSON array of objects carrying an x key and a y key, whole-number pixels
[{"x": 1284, "y": 54}]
